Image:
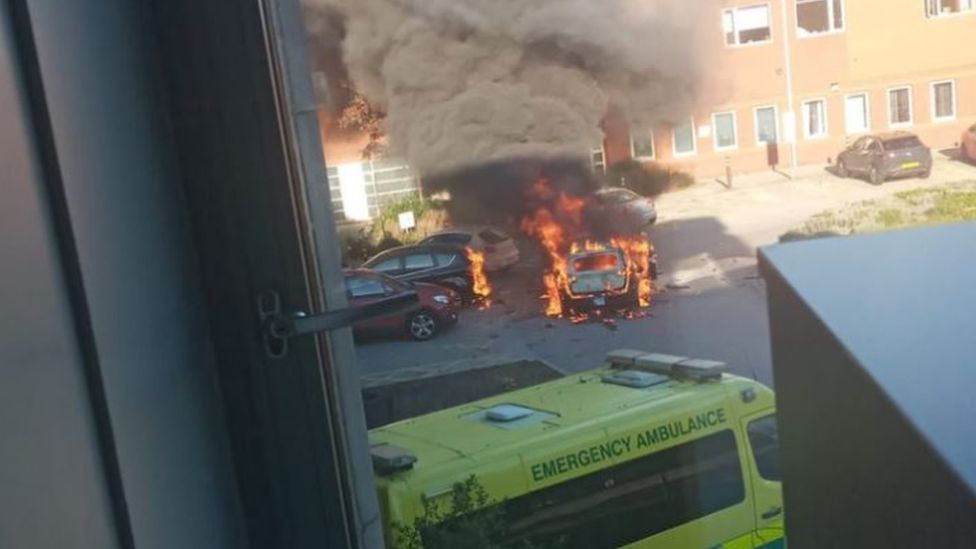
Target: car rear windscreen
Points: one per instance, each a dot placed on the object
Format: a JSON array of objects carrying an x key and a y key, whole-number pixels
[
  {"x": 899, "y": 143},
  {"x": 596, "y": 262},
  {"x": 492, "y": 237}
]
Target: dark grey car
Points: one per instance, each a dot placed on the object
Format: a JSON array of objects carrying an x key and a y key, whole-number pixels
[{"x": 887, "y": 155}]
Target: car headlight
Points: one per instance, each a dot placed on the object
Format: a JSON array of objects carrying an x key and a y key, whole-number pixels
[{"x": 441, "y": 298}]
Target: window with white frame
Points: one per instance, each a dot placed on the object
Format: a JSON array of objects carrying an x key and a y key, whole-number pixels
[
  {"x": 857, "y": 117},
  {"x": 765, "y": 125},
  {"x": 724, "y": 131},
  {"x": 598, "y": 160},
  {"x": 746, "y": 25},
  {"x": 819, "y": 16},
  {"x": 900, "y": 106},
  {"x": 942, "y": 8},
  {"x": 943, "y": 100},
  {"x": 642, "y": 145},
  {"x": 683, "y": 138},
  {"x": 814, "y": 118}
]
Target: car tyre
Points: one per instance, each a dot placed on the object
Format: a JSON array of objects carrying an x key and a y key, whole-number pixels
[
  {"x": 963, "y": 153},
  {"x": 875, "y": 176},
  {"x": 925, "y": 174},
  {"x": 842, "y": 169},
  {"x": 422, "y": 325}
]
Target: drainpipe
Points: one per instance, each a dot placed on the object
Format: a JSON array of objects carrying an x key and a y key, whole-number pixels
[{"x": 788, "y": 68}]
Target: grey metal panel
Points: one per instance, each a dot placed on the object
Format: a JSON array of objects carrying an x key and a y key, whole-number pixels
[
  {"x": 873, "y": 359},
  {"x": 53, "y": 491},
  {"x": 138, "y": 271}
]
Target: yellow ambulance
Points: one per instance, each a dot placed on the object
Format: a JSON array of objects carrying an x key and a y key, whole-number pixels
[{"x": 650, "y": 450}]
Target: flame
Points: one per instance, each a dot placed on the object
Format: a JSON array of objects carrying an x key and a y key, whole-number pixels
[
  {"x": 482, "y": 288},
  {"x": 557, "y": 226}
]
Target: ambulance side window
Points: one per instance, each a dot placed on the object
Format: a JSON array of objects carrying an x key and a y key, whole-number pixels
[{"x": 764, "y": 439}]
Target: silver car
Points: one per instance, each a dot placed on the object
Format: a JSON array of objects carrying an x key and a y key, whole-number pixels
[
  {"x": 620, "y": 211},
  {"x": 887, "y": 155}
]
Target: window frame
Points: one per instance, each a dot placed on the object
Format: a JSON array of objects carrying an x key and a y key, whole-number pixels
[
  {"x": 867, "y": 112},
  {"x": 911, "y": 106},
  {"x": 830, "y": 19},
  {"x": 602, "y": 165},
  {"x": 735, "y": 131},
  {"x": 961, "y": 13},
  {"x": 803, "y": 120},
  {"x": 633, "y": 152},
  {"x": 694, "y": 141},
  {"x": 755, "y": 122},
  {"x": 733, "y": 9},
  {"x": 933, "y": 105},
  {"x": 761, "y": 466}
]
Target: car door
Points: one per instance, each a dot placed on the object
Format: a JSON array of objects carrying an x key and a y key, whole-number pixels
[
  {"x": 363, "y": 290},
  {"x": 854, "y": 156},
  {"x": 766, "y": 478}
]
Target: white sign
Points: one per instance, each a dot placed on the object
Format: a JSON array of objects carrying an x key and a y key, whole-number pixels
[{"x": 407, "y": 221}]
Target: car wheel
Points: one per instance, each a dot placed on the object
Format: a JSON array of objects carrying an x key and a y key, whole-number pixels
[
  {"x": 925, "y": 174},
  {"x": 841, "y": 168},
  {"x": 422, "y": 325},
  {"x": 963, "y": 153},
  {"x": 875, "y": 176}
]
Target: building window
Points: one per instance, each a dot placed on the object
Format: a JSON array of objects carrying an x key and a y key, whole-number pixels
[
  {"x": 857, "y": 115},
  {"x": 598, "y": 160},
  {"x": 683, "y": 138},
  {"x": 819, "y": 16},
  {"x": 815, "y": 118},
  {"x": 724, "y": 131},
  {"x": 642, "y": 145},
  {"x": 746, "y": 25},
  {"x": 942, "y": 8},
  {"x": 943, "y": 100},
  {"x": 900, "y": 106},
  {"x": 765, "y": 125}
]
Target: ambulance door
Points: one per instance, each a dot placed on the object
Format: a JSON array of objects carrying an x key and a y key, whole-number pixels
[{"x": 764, "y": 468}]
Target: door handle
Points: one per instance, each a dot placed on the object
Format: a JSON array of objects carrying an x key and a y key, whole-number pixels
[{"x": 772, "y": 512}]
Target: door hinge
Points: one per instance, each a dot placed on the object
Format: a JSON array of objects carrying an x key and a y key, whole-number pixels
[{"x": 279, "y": 326}]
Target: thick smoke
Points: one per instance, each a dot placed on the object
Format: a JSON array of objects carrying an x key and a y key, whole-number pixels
[{"x": 469, "y": 81}]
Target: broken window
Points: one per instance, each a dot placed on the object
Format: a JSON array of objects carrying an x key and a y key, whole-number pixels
[
  {"x": 900, "y": 106},
  {"x": 723, "y": 125},
  {"x": 940, "y": 8},
  {"x": 642, "y": 145},
  {"x": 944, "y": 100},
  {"x": 684, "y": 138},
  {"x": 817, "y": 16},
  {"x": 746, "y": 25},
  {"x": 765, "y": 125},
  {"x": 815, "y": 118}
]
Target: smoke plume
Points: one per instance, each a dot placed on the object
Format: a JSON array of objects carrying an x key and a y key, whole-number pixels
[{"x": 469, "y": 81}]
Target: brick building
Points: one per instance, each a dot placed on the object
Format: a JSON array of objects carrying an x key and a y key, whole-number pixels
[{"x": 812, "y": 74}]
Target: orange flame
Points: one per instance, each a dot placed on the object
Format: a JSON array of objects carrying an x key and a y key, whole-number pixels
[
  {"x": 482, "y": 288},
  {"x": 556, "y": 226}
]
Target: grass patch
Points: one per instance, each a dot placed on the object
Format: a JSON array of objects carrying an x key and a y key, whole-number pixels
[{"x": 918, "y": 207}]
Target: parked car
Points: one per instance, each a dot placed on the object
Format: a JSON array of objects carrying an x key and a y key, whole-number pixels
[
  {"x": 442, "y": 264},
  {"x": 883, "y": 156},
  {"x": 599, "y": 277},
  {"x": 620, "y": 211},
  {"x": 499, "y": 248},
  {"x": 438, "y": 306},
  {"x": 967, "y": 144}
]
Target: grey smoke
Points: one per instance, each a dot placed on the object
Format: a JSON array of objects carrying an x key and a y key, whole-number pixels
[{"x": 469, "y": 81}]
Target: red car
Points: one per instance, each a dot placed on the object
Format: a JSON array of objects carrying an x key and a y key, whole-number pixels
[{"x": 438, "y": 306}]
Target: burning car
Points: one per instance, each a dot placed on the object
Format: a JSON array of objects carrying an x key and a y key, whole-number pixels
[{"x": 616, "y": 275}]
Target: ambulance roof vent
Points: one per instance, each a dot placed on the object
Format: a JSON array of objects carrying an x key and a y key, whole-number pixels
[
  {"x": 507, "y": 412},
  {"x": 389, "y": 459},
  {"x": 635, "y": 378}
]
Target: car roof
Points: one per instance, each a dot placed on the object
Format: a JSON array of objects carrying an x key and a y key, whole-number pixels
[
  {"x": 466, "y": 229},
  {"x": 429, "y": 247},
  {"x": 888, "y": 136}
]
